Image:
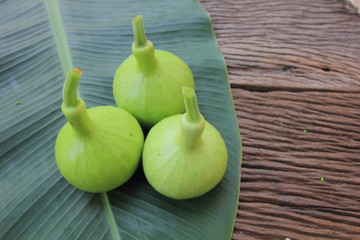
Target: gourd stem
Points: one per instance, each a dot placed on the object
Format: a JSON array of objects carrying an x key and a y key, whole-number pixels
[
  {"x": 73, "y": 107},
  {"x": 142, "y": 49},
  {"x": 192, "y": 122},
  {"x": 192, "y": 110},
  {"x": 70, "y": 95},
  {"x": 139, "y": 32}
]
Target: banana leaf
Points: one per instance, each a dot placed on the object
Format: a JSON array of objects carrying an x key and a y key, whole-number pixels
[{"x": 39, "y": 42}]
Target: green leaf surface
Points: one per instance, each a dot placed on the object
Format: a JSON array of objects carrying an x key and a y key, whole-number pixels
[{"x": 39, "y": 41}]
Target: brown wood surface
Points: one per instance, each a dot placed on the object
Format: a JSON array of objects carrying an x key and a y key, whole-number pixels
[{"x": 295, "y": 75}]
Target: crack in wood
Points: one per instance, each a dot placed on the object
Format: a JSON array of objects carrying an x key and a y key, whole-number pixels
[{"x": 256, "y": 88}]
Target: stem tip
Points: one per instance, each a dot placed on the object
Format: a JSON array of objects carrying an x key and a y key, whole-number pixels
[
  {"x": 139, "y": 32},
  {"x": 70, "y": 95},
  {"x": 192, "y": 109},
  {"x": 78, "y": 70}
]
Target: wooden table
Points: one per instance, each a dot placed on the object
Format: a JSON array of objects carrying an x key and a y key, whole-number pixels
[{"x": 294, "y": 68}]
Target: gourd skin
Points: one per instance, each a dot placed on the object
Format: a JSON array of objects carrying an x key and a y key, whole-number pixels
[
  {"x": 155, "y": 93},
  {"x": 178, "y": 168},
  {"x": 106, "y": 157}
]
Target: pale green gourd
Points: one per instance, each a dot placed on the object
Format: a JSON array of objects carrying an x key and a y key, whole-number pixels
[
  {"x": 184, "y": 156},
  {"x": 148, "y": 83},
  {"x": 98, "y": 149}
]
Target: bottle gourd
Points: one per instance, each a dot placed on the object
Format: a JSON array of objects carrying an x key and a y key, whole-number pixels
[
  {"x": 148, "y": 83},
  {"x": 184, "y": 156},
  {"x": 99, "y": 148}
]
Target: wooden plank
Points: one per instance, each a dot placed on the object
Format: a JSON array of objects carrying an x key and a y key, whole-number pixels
[
  {"x": 301, "y": 170},
  {"x": 301, "y": 167},
  {"x": 281, "y": 44}
]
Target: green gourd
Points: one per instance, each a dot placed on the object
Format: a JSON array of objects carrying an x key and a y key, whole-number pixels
[
  {"x": 184, "y": 156},
  {"x": 148, "y": 83},
  {"x": 99, "y": 148}
]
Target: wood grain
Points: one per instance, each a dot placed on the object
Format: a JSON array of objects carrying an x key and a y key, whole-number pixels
[
  {"x": 282, "y": 194},
  {"x": 295, "y": 76},
  {"x": 280, "y": 44}
]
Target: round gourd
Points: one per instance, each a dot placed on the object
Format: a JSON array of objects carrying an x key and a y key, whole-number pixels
[
  {"x": 98, "y": 149},
  {"x": 148, "y": 83},
  {"x": 184, "y": 156}
]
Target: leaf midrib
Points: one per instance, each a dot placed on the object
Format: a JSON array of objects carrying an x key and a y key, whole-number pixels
[
  {"x": 58, "y": 29},
  {"x": 109, "y": 215}
]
